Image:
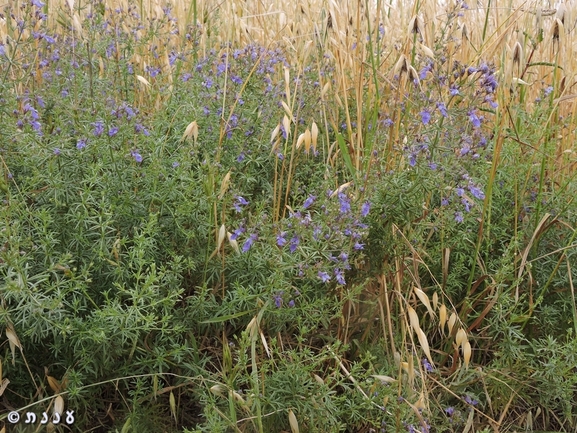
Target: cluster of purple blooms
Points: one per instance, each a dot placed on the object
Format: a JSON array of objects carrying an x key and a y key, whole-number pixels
[
  {"x": 220, "y": 76},
  {"x": 335, "y": 225},
  {"x": 466, "y": 143}
]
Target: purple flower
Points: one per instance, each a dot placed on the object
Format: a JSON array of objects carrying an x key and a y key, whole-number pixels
[
  {"x": 358, "y": 246},
  {"x": 324, "y": 276},
  {"x": 492, "y": 103},
  {"x": 427, "y": 365},
  {"x": 278, "y": 300},
  {"x": 490, "y": 84},
  {"x": 345, "y": 205},
  {"x": 129, "y": 112},
  {"x": 239, "y": 231},
  {"x": 37, "y": 3},
  {"x": 113, "y": 131},
  {"x": 36, "y": 126},
  {"x": 339, "y": 276},
  {"x": 454, "y": 90},
  {"x": 470, "y": 400},
  {"x": 280, "y": 239},
  {"x": 474, "y": 119},
  {"x": 240, "y": 201},
  {"x": 30, "y": 109},
  {"x": 459, "y": 217},
  {"x": 248, "y": 243},
  {"x": 153, "y": 72},
  {"x": 450, "y": 410},
  {"x": 56, "y": 151},
  {"x": 294, "y": 243},
  {"x": 365, "y": 209},
  {"x": 81, "y": 144},
  {"x": 110, "y": 50},
  {"x": 240, "y": 157},
  {"x": 442, "y": 108},
  {"x": 548, "y": 90},
  {"x": 477, "y": 193},
  {"x": 175, "y": 164},
  {"x": 98, "y": 128},
  {"x": 138, "y": 128},
  {"x": 309, "y": 201},
  {"x": 444, "y": 201},
  {"x": 137, "y": 156},
  {"x": 343, "y": 256},
  {"x": 425, "y": 117},
  {"x": 423, "y": 72},
  {"x": 2, "y": 50}
]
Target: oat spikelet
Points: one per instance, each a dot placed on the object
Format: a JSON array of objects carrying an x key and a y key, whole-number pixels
[
  {"x": 451, "y": 323},
  {"x": 427, "y": 51},
  {"x": 556, "y": 30},
  {"x": 224, "y": 185},
  {"x": 467, "y": 353},
  {"x": 191, "y": 131},
  {"x": 461, "y": 337},
  {"x": 143, "y": 80},
  {"x": 221, "y": 235},
  {"x": 401, "y": 66},
  {"x": 314, "y": 135},
  {"x": 413, "y": 319},
  {"x": 425, "y": 300},
  {"x": 233, "y": 243},
  {"x": 442, "y": 317},
  {"x": 293, "y": 422},
  {"x": 425, "y": 346},
  {"x": 59, "y": 405},
  {"x": 274, "y": 133},
  {"x": 517, "y": 53},
  {"x": 416, "y": 25}
]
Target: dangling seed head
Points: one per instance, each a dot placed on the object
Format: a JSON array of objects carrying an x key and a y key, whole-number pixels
[
  {"x": 557, "y": 29},
  {"x": 401, "y": 66},
  {"x": 464, "y": 32},
  {"x": 413, "y": 76},
  {"x": 416, "y": 25},
  {"x": 517, "y": 53}
]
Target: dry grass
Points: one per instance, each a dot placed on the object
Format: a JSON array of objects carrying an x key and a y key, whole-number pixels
[{"x": 505, "y": 35}]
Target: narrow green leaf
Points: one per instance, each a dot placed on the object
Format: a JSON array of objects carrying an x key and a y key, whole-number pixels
[{"x": 346, "y": 156}]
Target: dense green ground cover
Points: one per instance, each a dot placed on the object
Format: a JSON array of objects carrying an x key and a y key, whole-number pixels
[{"x": 197, "y": 239}]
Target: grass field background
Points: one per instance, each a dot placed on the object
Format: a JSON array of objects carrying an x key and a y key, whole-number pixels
[{"x": 318, "y": 217}]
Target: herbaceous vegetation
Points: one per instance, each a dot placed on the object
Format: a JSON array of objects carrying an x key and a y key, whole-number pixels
[{"x": 315, "y": 217}]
